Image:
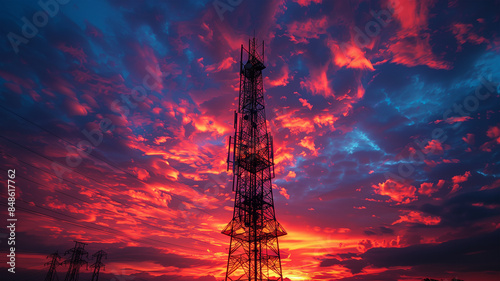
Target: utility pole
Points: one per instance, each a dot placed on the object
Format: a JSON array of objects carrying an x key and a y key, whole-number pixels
[
  {"x": 53, "y": 263},
  {"x": 254, "y": 250},
  {"x": 98, "y": 264},
  {"x": 76, "y": 261}
]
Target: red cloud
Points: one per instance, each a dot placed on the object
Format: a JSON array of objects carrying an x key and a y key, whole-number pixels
[
  {"x": 454, "y": 119},
  {"x": 145, "y": 62},
  {"x": 397, "y": 191},
  {"x": 77, "y": 53},
  {"x": 434, "y": 146},
  {"x": 365, "y": 245},
  {"x": 283, "y": 192},
  {"x": 205, "y": 123},
  {"x": 440, "y": 183},
  {"x": 469, "y": 139},
  {"x": 428, "y": 188},
  {"x": 300, "y": 32},
  {"x": 308, "y": 142},
  {"x": 225, "y": 64},
  {"x": 412, "y": 15},
  {"x": 291, "y": 175},
  {"x": 431, "y": 163},
  {"x": 417, "y": 217},
  {"x": 283, "y": 158},
  {"x": 459, "y": 179},
  {"x": 348, "y": 55},
  {"x": 141, "y": 173},
  {"x": 416, "y": 51},
  {"x": 305, "y": 3},
  {"x": 318, "y": 82},
  {"x": 493, "y": 132},
  {"x": 494, "y": 185},
  {"x": 75, "y": 108},
  {"x": 295, "y": 124},
  {"x": 464, "y": 34},
  {"x": 283, "y": 80},
  {"x": 305, "y": 103},
  {"x": 411, "y": 45},
  {"x": 325, "y": 119}
]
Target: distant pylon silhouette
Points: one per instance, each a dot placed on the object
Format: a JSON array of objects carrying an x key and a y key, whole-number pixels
[
  {"x": 53, "y": 263},
  {"x": 254, "y": 253},
  {"x": 98, "y": 264},
  {"x": 76, "y": 261}
]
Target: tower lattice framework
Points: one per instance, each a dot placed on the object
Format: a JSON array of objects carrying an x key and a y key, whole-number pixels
[
  {"x": 254, "y": 250},
  {"x": 76, "y": 261},
  {"x": 54, "y": 262},
  {"x": 98, "y": 264}
]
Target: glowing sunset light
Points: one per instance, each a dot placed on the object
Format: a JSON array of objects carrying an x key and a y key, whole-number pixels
[{"x": 383, "y": 114}]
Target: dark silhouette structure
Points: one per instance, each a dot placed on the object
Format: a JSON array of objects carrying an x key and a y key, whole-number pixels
[
  {"x": 98, "y": 264},
  {"x": 53, "y": 263},
  {"x": 254, "y": 250},
  {"x": 76, "y": 261}
]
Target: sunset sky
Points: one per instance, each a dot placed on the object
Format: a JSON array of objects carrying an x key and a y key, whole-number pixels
[{"x": 385, "y": 116}]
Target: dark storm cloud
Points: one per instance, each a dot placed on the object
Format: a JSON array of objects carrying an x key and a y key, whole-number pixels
[
  {"x": 460, "y": 210},
  {"x": 477, "y": 253},
  {"x": 355, "y": 266},
  {"x": 155, "y": 255}
]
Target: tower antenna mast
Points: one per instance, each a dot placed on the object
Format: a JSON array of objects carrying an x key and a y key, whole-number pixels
[{"x": 254, "y": 252}]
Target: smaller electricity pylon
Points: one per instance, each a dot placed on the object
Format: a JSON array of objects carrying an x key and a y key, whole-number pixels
[
  {"x": 76, "y": 261},
  {"x": 98, "y": 264},
  {"x": 53, "y": 263}
]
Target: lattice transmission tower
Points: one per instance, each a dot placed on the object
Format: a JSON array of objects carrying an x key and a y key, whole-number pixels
[
  {"x": 98, "y": 264},
  {"x": 53, "y": 263},
  {"x": 254, "y": 250},
  {"x": 76, "y": 261}
]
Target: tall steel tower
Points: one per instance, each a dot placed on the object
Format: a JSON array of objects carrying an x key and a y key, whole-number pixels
[
  {"x": 53, "y": 263},
  {"x": 76, "y": 261},
  {"x": 98, "y": 264},
  {"x": 254, "y": 250}
]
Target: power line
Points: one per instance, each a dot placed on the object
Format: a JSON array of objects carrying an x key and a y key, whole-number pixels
[
  {"x": 68, "y": 142},
  {"x": 64, "y": 179},
  {"x": 88, "y": 177},
  {"x": 117, "y": 201},
  {"x": 109, "y": 163},
  {"x": 58, "y": 191},
  {"x": 89, "y": 227},
  {"x": 111, "y": 211},
  {"x": 90, "y": 155},
  {"x": 85, "y": 176}
]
